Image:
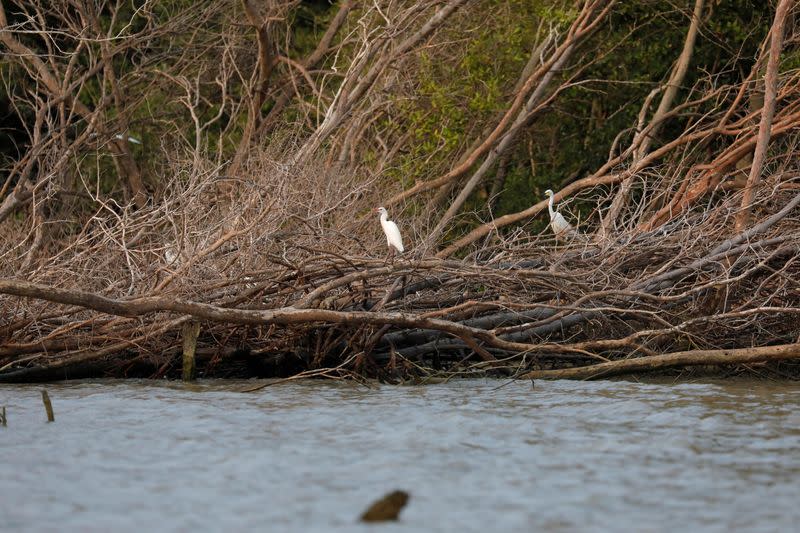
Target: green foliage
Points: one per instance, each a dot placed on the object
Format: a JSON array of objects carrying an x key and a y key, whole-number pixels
[
  {"x": 308, "y": 23},
  {"x": 790, "y": 61},
  {"x": 466, "y": 87}
]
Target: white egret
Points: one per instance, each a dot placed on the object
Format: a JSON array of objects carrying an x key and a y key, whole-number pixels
[
  {"x": 133, "y": 140},
  {"x": 561, "y": 228},
  {"x": 393, "y": 238},
  {"x": 121, "y": 137}
]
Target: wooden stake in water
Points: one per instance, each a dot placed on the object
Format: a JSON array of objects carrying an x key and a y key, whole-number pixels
[
  {"x": 190, "y": 332},
  {"x": 48, "y": 406}
]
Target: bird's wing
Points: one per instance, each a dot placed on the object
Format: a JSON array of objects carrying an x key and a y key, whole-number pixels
[
  {"x": 560, "y": 223},
  {"x": 393, "y": 235}
]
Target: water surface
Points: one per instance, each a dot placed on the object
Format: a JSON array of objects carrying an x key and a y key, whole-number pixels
[{"x": 474, "y": 455}]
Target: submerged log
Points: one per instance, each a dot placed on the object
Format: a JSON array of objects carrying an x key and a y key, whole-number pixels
[{"x": 387, "y": 508}]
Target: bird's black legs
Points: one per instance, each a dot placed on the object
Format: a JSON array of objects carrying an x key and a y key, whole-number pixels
[{"x": 389, "y": 256}]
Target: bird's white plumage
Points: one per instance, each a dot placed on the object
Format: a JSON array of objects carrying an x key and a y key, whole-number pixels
[
  {"x": 133, "y": 140},
  {"x": 391, "y": 230},
  {"x": 561, "y": 228},
  {"x": 120, "y": 137}
]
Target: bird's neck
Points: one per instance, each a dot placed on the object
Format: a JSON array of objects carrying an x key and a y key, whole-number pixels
[
  {"x": 384, "y": 217},
  {"x": 550, "y": 207}
]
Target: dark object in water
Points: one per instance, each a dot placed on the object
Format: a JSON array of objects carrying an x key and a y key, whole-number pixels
[
  {"x": 48, "y": 406},
  {"x": 387, "y": 508}
]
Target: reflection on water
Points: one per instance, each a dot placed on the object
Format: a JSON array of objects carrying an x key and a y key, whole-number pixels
[{"x": 475, "y": 456}]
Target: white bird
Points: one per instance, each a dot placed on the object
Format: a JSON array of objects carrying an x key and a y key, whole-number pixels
[
  {"x": 393, "y": 238},
  {"x": 561, "y": 228},
  {"x": 133, "y": 140},
  {"x": 120, "y": 137}
]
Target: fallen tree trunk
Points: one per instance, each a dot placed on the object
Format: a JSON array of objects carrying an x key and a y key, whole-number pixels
[{"x": 655, "y": 363}]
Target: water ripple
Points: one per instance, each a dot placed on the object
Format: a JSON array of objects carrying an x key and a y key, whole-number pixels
[{"x": 475, "y": 456}]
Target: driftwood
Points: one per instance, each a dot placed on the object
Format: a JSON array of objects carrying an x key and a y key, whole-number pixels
[
  {"x": 671, "y": 360},
  {"x": 622, "y": 301},
  {"x": 258, "y": 231}
]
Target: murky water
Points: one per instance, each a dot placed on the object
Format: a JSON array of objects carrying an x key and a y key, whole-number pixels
[{"x": 474, "y": 455}]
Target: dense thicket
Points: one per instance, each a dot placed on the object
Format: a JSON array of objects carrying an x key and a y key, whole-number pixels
[{"x": 164, "y": 162}]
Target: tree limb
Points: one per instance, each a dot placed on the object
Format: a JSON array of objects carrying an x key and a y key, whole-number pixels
[
  {"x": 654, "y": 363},
  {"x": 767, "y": 111}
]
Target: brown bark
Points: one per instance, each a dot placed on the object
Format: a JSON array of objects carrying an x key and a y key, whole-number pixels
[
  {"x": 709, "y": 175},
  {"x": 654, "y": 363},
  {"x": 283, "y": 316},
  {"x": 767, "y": 111}
]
